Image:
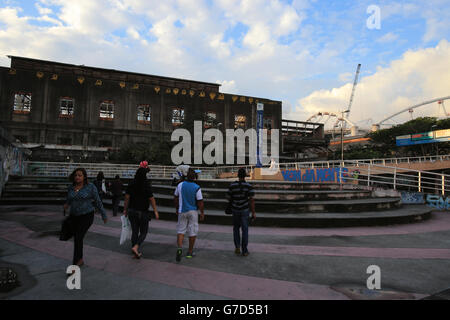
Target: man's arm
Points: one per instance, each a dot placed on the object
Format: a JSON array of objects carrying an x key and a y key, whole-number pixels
[
  {"x": 176, "y": 203},
  {"x": 252, "y": 208},
  {"x": 201, "y": 207}
]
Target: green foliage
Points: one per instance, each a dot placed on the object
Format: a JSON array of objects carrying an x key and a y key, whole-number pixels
[
  {"x": 359, "y": 152},
  {"x": 156, "y": 152},
  {"x": 384, "y": 140},
  {"x": 418, "y": 125}
]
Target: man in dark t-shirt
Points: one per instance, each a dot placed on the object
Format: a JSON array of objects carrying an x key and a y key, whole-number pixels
[{"x": 116, "y": 188}]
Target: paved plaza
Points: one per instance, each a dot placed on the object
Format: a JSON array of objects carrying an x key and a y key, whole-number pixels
[{"x": 284, "y": 263}]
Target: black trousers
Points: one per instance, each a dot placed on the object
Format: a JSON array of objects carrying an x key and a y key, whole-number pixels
[
  {"x": 81, "y": 225},
  {"x": 115, "y": 203},
  {"x": 139, "y": 225}
]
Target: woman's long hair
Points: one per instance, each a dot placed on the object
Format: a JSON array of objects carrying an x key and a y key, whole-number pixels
[
  {"x": 100, "y": 176},
  {"x": 83, "y": 171}
]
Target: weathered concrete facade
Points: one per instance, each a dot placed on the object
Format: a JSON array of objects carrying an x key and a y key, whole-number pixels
[{"x": 54, "y": 88}]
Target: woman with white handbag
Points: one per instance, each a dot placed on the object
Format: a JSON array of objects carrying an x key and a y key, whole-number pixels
[{"x": 138, "y": 197}]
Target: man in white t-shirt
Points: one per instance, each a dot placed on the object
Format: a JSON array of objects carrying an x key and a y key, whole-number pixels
[{"x": 188, "y": 201}]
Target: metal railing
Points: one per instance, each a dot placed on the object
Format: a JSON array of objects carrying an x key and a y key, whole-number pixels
[
  {"x": 64, "y": 169},
  {"x": 370, "y": 172}
]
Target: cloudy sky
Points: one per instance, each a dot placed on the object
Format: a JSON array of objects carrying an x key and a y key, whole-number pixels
[{"x": 301, "y": 52}]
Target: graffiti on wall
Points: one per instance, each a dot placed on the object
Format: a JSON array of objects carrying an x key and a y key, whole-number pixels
[
  {"x": 320, "y": 175},
  {"x": 11, "y": 162},
  {"x": 438, "y": 202},
  {"x": 412, "y": 197}
]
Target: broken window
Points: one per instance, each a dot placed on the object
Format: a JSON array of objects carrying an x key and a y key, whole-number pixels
[
  {"x": 210, "y": 119},
  {"x": 240, "y": 121},
  {"x": 22, "y": 102},
  {"x": 177, "y": 116},
  {"x": 144, "y": 114},
  {"x": 66, "y": 107},
  {"x": 107, "y": 110}
]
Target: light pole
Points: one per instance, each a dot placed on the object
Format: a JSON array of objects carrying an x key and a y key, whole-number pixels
[
  {"x": 342, "y": 135},
  {"x": 436, "y": 143}
]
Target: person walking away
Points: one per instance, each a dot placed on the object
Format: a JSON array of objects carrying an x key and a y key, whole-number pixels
[
  {"x": 82, "y": 198},
  {"x": 116, "y": 188},
  {"x": 100, "y": 184},
  {"x": 138, "y": 197},
  {"x": 188, "y": 201},
  {"x": 180, "y": 174},
  {"x": 241, "y": 195}
]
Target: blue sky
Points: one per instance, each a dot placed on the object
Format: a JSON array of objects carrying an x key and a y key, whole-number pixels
[{"x": 302, "y": 52}]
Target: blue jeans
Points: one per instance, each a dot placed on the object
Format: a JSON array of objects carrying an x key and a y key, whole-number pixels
[{"x": 240, "y": 221}]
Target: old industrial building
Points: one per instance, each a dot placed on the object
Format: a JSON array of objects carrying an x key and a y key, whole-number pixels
[{"x": 64, "y": 111}]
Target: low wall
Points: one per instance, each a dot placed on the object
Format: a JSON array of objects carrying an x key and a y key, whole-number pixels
[
  {"x": 319, "y": 175},
  {"x": 11, "y": 158}
]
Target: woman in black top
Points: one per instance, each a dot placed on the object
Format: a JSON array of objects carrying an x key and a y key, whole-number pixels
[
  {"x": 99, "y": 183},
  {"x": 138, "y": 197}
]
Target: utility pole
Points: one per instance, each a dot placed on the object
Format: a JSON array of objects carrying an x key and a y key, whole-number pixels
[
  {"x": 342, "y": 141},
  {"x": 342, "y": 134}
]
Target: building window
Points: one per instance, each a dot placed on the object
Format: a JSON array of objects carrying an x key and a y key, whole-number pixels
[
  {"x": 210, "y": 119},
  {"x": 144, "y": 114},
  {"x": 66, "y": 107},
  {"x": 107, "y": 110},
  {"x": 267, "y": 123},
  {"x": 66, "y": 141},
  {"x": 240, "y": 121},
  {"x": 177, "y": 116},
  {"x": 22, "y": 102}
]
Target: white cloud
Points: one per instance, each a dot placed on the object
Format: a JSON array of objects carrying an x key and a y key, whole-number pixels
[
  {"x": 345, "y": 77},
  {"x": 278, "y": 54},
  {"x": 133, "y": 33},
  {"x": 42, "y": 10},
  {"x": 228, "y": 86},
  {"x": 388, "y": 37},
  {"x": 418, "y": 76}
]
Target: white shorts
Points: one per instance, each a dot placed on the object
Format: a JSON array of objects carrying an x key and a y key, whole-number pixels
[{"x": 188, "y": 222}]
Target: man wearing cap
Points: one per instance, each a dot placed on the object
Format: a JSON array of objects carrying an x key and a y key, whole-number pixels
[
  {"x": 180, "y": 174},
  {"x": 188, "y": 201}
]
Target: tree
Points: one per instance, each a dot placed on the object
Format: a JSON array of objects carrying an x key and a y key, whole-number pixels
[
  {"x": 385, "y": 139},
  {"x": 156, "y": 152}
]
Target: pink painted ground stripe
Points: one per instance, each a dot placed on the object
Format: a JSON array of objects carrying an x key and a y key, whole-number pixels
[
  {"x": 394, "y": 253},
  {"x": 211, "y": 282},
  {"x": 439, "y": 222}
]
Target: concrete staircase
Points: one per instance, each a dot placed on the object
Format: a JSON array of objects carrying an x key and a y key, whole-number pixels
[{"x": 284, "y": 204}]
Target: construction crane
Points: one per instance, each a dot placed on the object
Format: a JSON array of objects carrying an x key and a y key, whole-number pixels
[
  {"x": 341, "y": 118},
  {"x": 353, "y": 90},
  {"x": 345, "y": 119}
]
